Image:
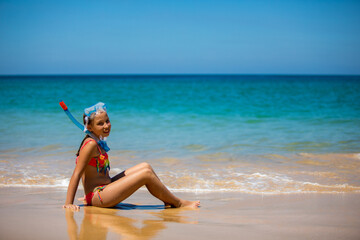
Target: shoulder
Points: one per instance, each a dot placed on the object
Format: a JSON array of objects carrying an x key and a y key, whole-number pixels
[{"x": 89, "y": 147}]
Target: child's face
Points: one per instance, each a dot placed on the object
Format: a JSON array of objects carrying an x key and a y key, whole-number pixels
[{"x": 101, "y": 125}]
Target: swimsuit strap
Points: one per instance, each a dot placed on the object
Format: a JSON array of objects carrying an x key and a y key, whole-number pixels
[
  {"x": 86, "y": 143},
  {"x": 103, "y": 157},
  {"x": 90, "y": 141},
  {"x": 98, "y": 190}
]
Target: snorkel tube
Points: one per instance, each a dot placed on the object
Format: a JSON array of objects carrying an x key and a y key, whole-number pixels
[
  {"x": 101, "y": 142},
  {"x": 65, "y": 108}
]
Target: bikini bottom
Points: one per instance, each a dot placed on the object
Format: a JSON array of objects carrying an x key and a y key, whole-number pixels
[{"x": 90, "y": 195}]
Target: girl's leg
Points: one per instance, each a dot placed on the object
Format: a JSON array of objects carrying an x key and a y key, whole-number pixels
[
  {"x": 132, "y": 170},
  {"x": 142, "y": 166},
  {"x": 124, "y": 187},
  {"x": 138, "y": 167}
]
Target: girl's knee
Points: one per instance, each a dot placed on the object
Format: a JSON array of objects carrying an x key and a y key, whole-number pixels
[
  {"x": 147, "y": 173},
  {"x": 146, "y": 165}
]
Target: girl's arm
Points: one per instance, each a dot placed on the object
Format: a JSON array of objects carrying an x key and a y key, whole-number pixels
[
  {"x": 83, "y": 160},
  {"x": 72, "y": 188}
]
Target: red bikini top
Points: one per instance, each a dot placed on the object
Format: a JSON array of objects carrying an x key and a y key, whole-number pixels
[{"x": 101, "y": 162}]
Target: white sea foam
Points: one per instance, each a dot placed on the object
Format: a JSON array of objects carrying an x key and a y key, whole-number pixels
[
  {"x": 255, "y": 183},
  {"x": 242, "y": 178},
  {"x": 63, "y": 183}
]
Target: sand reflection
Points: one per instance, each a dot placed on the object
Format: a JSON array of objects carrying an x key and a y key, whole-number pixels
[{"x": 97, "y": 222}]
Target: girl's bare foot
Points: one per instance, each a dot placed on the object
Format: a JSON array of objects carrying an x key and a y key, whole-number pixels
[
  {"x": 189, "y": 204},
  {"x": 183, "y": 203}
]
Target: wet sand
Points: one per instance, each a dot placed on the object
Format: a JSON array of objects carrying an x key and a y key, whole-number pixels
[{"x": 36, "y": 213}]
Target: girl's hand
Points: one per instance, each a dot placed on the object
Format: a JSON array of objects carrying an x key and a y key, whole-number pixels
[{"x": 72, "y": 207}]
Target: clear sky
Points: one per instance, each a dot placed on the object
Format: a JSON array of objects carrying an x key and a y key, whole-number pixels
[{"x": 140, "y": 37}]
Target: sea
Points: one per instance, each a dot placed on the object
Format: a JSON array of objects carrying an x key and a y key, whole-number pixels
[{"x": 257, "y": 134}]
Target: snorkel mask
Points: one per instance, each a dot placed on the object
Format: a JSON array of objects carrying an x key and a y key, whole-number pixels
[
  {"x": 99, "y": 107},
  {"x": 95, "y": 109}
]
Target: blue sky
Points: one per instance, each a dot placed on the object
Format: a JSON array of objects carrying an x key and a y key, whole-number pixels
[{"x": 141, "y": 37}]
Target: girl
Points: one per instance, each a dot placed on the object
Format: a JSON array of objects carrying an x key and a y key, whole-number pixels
[{"x": 92, "y": 166}]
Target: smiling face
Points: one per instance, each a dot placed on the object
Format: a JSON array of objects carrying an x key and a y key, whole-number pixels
[{"x": 101, "y": 125}]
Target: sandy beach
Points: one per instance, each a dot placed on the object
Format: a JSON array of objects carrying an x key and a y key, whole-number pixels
[
  {"x": 269, "y": 157},
  {"x": 251, "y": 108},
  {"x": 36, "y": 213}
]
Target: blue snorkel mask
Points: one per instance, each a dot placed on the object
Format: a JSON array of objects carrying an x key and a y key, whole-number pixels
[{"x": 99, "y": 107}]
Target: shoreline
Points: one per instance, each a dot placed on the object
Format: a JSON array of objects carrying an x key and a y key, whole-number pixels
[
  {"x": 36, "y": 213},
  {"x": 269, "y": 174}
]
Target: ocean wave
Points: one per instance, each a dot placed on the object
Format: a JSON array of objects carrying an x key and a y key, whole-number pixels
[
  {"x": 255, "y": 183},
  {"x": 271, "y": 174},
  {"x": 35, "y": 182}
]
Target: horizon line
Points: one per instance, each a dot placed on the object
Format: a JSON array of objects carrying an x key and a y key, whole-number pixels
[{"x": 172, "y": 74}]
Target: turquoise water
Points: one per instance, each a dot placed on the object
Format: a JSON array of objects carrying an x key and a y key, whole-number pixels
[{"x": 236, "y": 119}]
